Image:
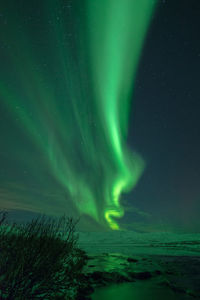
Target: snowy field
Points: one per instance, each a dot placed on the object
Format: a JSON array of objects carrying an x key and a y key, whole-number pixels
[{"x": 130, "y": 243}]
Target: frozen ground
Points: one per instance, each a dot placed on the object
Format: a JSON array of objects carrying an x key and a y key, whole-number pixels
[{"x": 133, "y": 243}]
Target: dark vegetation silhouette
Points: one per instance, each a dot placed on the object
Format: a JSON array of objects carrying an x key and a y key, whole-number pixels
[{"x": 40, "y": 259}]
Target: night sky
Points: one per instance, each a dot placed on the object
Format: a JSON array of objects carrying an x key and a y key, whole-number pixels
[{"x": 66, "y": 142}]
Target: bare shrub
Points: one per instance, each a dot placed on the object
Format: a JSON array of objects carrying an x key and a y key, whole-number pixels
[{"x": 40, "y": 259}]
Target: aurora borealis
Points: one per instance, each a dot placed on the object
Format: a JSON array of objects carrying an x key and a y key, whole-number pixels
[
  {"x": 68, "y": 84},
  {"x": 114, "y": 63},
  {"x": 79, "y": 121}
]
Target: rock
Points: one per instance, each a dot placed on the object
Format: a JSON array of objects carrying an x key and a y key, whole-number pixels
[
  {"x": 104, "y": 278},
  {"x": 85, "y": 289},
  {"x": 177, "y": 289},
  {"x": 83, "y": 297},
  {"x": 130, "y": 259},
  {"x": 140, "y": 275},
  {"x": 170, "y": 272},
  {"x": 157, "y": 272},
  {"x": 97, "y": 276},
  {"x": 118, "y": 278}
]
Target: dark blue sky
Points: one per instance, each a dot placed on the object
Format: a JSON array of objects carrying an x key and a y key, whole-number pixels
[{"x": 165, "y": 121}]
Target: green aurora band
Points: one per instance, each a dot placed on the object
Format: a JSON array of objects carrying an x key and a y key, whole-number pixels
[{"x": 71, "y": 86}]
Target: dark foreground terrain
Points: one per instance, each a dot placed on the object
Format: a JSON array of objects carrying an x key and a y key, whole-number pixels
[
  {"x": 38, "y": 261},
  {"x": 141, "y": 266},
  {"x": 178, "y": 275}
]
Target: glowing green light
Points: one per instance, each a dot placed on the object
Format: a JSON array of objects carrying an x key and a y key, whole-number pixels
[
  {"x": 75, "y": 110},
  {"x": 117, "y": 30}
]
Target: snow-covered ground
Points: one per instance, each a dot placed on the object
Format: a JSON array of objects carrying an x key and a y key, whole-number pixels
[{"x": 130, "y": 242}]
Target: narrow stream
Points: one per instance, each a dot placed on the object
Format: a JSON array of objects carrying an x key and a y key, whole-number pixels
[{"x": 140, "y": 290}]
